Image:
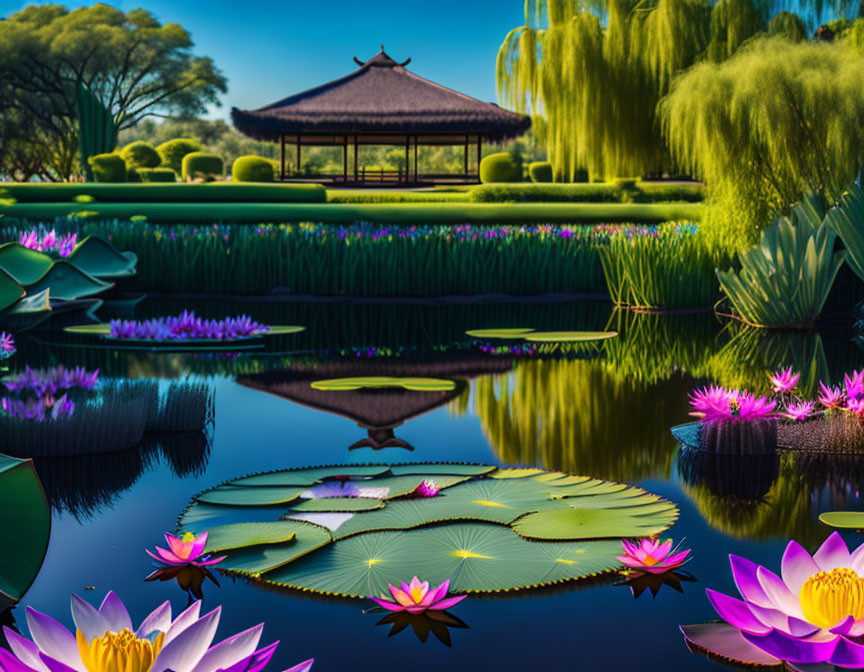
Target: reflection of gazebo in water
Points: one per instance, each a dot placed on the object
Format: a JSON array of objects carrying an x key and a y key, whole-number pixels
[
  {"x": 379, "y": 411},
  {"x": 382, "y": 103}
]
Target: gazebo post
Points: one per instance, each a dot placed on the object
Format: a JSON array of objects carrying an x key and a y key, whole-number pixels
[
  {"x": 282, "y": 145},
  {"x": 407, "y": 156},
  {"x": 416, "y": 172},
  {"x": 466, "y": 156},
  {"x": 355, "y": 157},
  {"x": 479, "y": 153},
  {"x": 344, "y": 158},
  {"x": 298, "y": 153}
]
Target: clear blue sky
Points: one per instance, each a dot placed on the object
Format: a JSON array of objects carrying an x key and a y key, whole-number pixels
[{"x": 269, "y": 49}]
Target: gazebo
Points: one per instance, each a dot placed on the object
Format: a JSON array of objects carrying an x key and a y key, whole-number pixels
[{"x": 382, "y": 103}]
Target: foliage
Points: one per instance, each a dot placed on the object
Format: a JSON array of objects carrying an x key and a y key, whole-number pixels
[
  {"x": 788, "y": 25},
  {"x": 252, "y": 169},
  {"x": 172, "y": 152},
  {"x": 97, "y": 128},
  {"x": 201, "y": 164},
  {"x": 384, "y": 516},
  {"x": 140, "y": 154},
  {"x": 501, "y": 167},
  {"x": 774, "y": 122},
  {"x": 108, "y": 167},
  {"x": 156, "y": 174},
  {"x": 846, "y": 219},
  {"x": 134, "y": 65},
  {"x": 395, "y": 196},
  {"x": 672, "y": 269},
  {"x": 179, "y": 193},
  {"x": 785, "y": 280},
  {"x": 540, "y": 171},
  {"x": 608, "y": 192}
]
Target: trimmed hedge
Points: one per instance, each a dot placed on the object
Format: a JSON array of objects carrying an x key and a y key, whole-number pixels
[
  {"x": 140, "y": 155},
  {"x": 196, "y": 163},
  {"x": 394, "y": 196},
  {"x": 386, "y": 213},
  {"x": 156, "y": 175},
  {"x": 501, "y": 167},
  {"x": 107, "y": 168},
  {"x": 173, "y": 151},
  {"x": 155, "y": 194},
  {"x": 587, "y": 193},
  {"x": 252, "y": 169},
  {"x": 540, "y": 171}
]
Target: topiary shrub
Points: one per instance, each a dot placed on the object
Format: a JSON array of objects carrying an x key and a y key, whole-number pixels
[
  {"x": 140, "y": 155},
  {"x": 173, "y": 151},
  {"x": 108, "y": 167},
  {"x": 157, "y": 175},
  {"x": 252, "y": 169},
  {"x": 201, "y": 163},
  {"x": 501, "y": 167},
  {"x": 540, "y": 171}
]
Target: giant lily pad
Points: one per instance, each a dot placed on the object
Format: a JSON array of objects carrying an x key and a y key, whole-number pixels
[
  {"x": 103, "y": 330},
  {"x": 498, "y": 333},
  {"x": 360, "y": 527},
  {"x": 850, "y": 520},
  {"x": 100, "y": 258},
  {"x": 67, "y": 281},
  {"x": 25, "y": 265},
  {"x": 569, "y": 336},
  {"x": 378, "y": 382},
  {"x": 10, "y": 290},
  {"x": 25, "y": 526}
]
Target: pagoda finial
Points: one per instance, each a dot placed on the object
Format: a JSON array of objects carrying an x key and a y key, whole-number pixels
[{"x": 382, "y": 48}]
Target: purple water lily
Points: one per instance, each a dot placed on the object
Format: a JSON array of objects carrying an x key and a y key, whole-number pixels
[
  {"x": 50, "y": 242},
  {"x": 187, "y": 326},
  {"x": 812, "y": 613},
  {"x": 7, "y": 345},
  {"x": 51, "y": 381},
  {"x": 43, "y": 408},
  {"x": 105, "y": 640}
]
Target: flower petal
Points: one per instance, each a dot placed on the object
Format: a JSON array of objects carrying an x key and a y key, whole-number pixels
[
  {"x": 833, "y": 553},
  {"x": 788, "y": 624},
  {"x": 449, "y": 602},
  {"x": 185, "y": 650},
  {"x": 791, "y": 648},
  {"x": 229, "y": 651},
  {"x": 305, "y": 666},
  {"x": 779, "y": 593},
  {"x": 25, "y": 650},
  {"x": 796, "y": 567},
  {"x": 55, "y": 665},
  {"x": 54, "y": 639},
  {"x": 114, "y": 611},
  {"x": 386, "y": 604},
  {"x": 159, "y": 620},
  {"x": 9, "y": 663},
  {"x": 256, "y": 661},
  {"x": 182, "y": 622},
  {"x": 725, "y": 641},
  {"x": 848, "y": 654},
  {"x": 198, "y": 546},
  {"x": 735, "y": 612},
  {"x": 744, "y": 573},
  {"x": 88, "y": 619}
]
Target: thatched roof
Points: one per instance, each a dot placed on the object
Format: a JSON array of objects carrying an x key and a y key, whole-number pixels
[{"x": 380, "y": 97}]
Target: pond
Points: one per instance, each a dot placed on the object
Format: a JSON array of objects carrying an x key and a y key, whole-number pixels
[{"x": 601, "y": 411}]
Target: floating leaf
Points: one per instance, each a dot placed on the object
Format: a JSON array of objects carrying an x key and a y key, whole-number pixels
[
  {"x": 499, "y": 333},
  {"x": 569, "y": 336},
  {"x": 723, "y": 641},
  {"x": 67, "y": 281},
  {"x": 101, "y": 259},
  {"x": 852, "y": 520},
  {"x": 339, "y": 504},
  {"x": 241, "y": 535},
  {"x": 10, "y": 290},
  {"x": 376, "y": 382},
  {"x": 104, "y": 330},
  {"x": 26, "y": 266},
  {"x": 234, "y": 496},
  {"x": 596, "y": 523}
]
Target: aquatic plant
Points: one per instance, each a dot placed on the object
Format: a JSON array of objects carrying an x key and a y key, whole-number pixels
[
  {"x": 186, "y": 551},
  {"x": 800, "y": 410},
  {"x": 428, "y": 488},
  {"x": 490, "y": 529},
  {"x": 813, "y": 614},
  {"x": 105, "y": 640},
  {"x": 652, "y": 556},
  {"x": 7, "y": 345},
  {"x": 49, "y": 242},
  {"x": 51, "y": 381},
  {"x": 784, "y": 380},
  {"x": 417, "y": 597},
  {"x": 187, "y": 326},
  {"x": 717, "y": 404}
]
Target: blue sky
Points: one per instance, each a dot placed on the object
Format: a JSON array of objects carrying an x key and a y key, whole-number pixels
[{"x": 269, "y": 49}]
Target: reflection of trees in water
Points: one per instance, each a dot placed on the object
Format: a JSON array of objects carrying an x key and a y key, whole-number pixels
[
  {"x": 767, "y": 497},
  {"x": 576, "y": 416},
  {"x": 85, "y": 485}
]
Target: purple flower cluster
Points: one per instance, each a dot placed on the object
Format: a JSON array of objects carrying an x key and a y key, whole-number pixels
[
  {"x": 38, "y": 409},
  {"x": 187, "y": 326},
  {"x": 7, "y": 345},
  {"x": 49, "y": 242},
  {"x": 51, "y": 381},
  {"x": 505, "y": 350}
]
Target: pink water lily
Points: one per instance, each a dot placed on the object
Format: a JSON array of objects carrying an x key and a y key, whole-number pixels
[
  {"x": 427, "y": 488},
  {"x": 186, "y": 551},
  {"x": 105, "y": 640},
  {"x": 7, "y": 345},
  {"x": 830, "y": 397},
  {"x": 854, "y": 384},
  {"x": 652, "y": 556},
  {"x": 417, "y": 597},
  {"x": 800, "y": 410},
  {"x": 784, "y": 380},
  {"x": 717, "y": 404},
  {"x": 812, "y": 613}
]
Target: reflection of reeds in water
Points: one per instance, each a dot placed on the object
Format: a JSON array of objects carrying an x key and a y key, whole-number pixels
[
  {"x": 84, "y": 485},
  {"x": 118, "y": 419},
  {"x": 575, "y": 416},
  {"x": 747, "y": 478}
]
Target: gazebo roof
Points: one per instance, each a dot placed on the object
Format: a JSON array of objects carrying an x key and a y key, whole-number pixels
[{"x": 380, "y": 97}]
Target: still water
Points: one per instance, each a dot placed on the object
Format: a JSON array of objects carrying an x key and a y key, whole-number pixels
[{"x": 603, "y": 412}]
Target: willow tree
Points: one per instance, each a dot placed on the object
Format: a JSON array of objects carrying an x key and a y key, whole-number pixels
[{"x": 776, "y": 120}]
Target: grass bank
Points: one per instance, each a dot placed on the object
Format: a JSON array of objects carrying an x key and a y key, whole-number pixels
[{"x": 214, "y": 192}]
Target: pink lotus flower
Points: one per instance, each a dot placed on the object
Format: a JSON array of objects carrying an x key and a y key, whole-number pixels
[
  {"x": 186, "y": 551},
  {"x": 717, "y": 404},
  {"x": 653, "y": 556},
  {"x": 416, "y": 597},
  {"x": 854, "y": 384},
  {"x": 427, "y": 488},
  {"x": 105, "y": 640},
  {"x": 830, "y": 397},
  {"x": 813, "y": 614},
  {"x": 784, "y": 380},
  {"x": 800, "y": 410},
  {"x": 856, "y": 407},
  {"x": 751, "y": 407}
]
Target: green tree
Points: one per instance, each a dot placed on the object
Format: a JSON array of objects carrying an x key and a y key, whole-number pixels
[{"x": 135, "y": 65}]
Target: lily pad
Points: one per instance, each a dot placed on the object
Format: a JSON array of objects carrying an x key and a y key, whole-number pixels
[
  {"x": 498, "y": 333},
  {"x": 242, "y": 535},
  {"x": 850, "y": 520},
  {"x": 569, "y": 336},
  {"x": 356, "y": 545},
  {"x": 10, "y": 290},
  {"x": 26, "y": 266},
  {"x": 100, "y": 258},
  {"x": 26, "y": 519},
  {"x": 103, "y": 330},
  {"x": 378, "y": 382},
  {"x": 67, "y": 281}
]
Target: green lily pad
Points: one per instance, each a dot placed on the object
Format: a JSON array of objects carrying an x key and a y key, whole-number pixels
[
  {"x": 569, "y": 336},
  {"x": 242, "y": 535},
  {"x": 26, "y": 519},
  {"x": 481, "y": 513},
  {"x": 26, "y": 266},
  {"x": 498, "y": 333},
  {"x": 101, "y": 259},
  {"x": 851, "y": 520},
  {"x": 10, "y": 290},
  {"x": 66, "y": 281},
  {"x": 32, "y": 303},
  {"x": 377, "y": 382},
  {"x": 103, "y": 329}
]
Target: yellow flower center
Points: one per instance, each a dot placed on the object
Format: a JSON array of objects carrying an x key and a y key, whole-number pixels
[
  {"x": 829, "y": 597},
  {"x": 188, "y": 538},
  {"x": 119, "y": 652}
]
